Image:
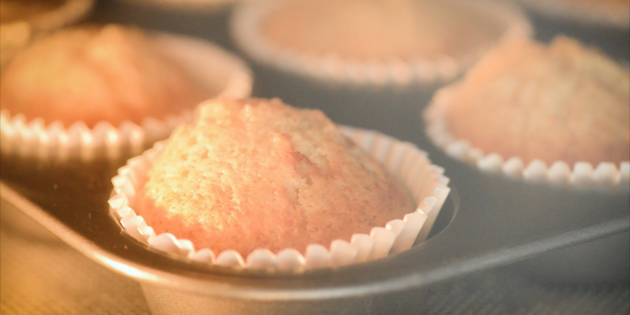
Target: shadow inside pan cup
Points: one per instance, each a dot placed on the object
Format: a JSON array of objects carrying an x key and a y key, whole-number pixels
[
  {"x": 543, "y": 210},
  {"x": 390, "y": 109},
  {"x": 447, "y": 214}
]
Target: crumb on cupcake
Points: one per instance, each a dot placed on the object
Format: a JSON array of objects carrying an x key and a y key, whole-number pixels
[{"x": 260, "y": 174}]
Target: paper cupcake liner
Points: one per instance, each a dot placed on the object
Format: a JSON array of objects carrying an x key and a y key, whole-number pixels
[
  {"x": 425, "y": 182},
  {"x": 582, "y": 11},
  {"x": 203, "y": 61},
  {"x": 605, "y": 174},
  {"x": 392, "y": 71}
]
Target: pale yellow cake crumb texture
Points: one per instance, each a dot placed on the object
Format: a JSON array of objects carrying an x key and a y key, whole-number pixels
[
  {"x": 260, "y": 174},
  {"x": 562, "y": 102},
  {"x": 92, "y": 74},
  {"x": 380, "y": 29}
]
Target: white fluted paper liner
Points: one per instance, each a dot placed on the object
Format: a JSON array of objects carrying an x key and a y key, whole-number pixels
[
  {"x": 205, "y": 62},
  {"x": 605, "y": 174},
  {"x": 426, "y": 183},
  {"x": 246, "y": 31},
  {"x": 583, "y": 11}
]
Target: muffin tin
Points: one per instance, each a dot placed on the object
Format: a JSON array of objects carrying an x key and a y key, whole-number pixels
[
  {"x": 477, "y": 229},
  {"x": 70, "y": 199}
]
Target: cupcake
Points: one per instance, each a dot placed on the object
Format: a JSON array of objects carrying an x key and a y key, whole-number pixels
[
  {"x": 23, "y": 20},
  {"x": 93, "y": 74},
  {"x": 262, "y": 180},
  {"x": 113, "y": 82},
  {"x": 379, "y": 42},
  {"x": 557, "y": 106},
  {"x": 538, "y": 128}
]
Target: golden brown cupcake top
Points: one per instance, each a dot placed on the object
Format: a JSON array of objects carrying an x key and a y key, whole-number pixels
[
  {"x": 260, "y": 174},
  {"x": 380, "y": 29},
  {"x": 95, "y": 74},
  {"x": 558, "y": 102},
  {"x": 15, "y": 10}
]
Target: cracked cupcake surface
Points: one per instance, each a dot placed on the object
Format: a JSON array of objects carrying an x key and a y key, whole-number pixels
[
  {"x": 260, "y": 174},
  {"x": 558, "y": 102},
  {"x": 92, "y": 74}
]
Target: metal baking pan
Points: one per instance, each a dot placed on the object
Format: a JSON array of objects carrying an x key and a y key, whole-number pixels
[
  {"x": 70, "y": 200},
  {"x": 474, "y": 232}
]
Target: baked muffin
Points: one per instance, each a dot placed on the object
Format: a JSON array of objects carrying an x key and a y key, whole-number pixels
[
  {"x": 259, "y": 174},
  {"x": 93, "y": 92},
  {"x": 374, "y": 41},
  {"x": 535, "y": 111},
  {"x": 545, "y": 128},
  {"x": 111, "y": 74},
  {"x": 558, "y": 102}
]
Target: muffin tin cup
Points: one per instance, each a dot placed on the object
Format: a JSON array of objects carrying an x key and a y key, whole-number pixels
[
  {"x": 589, "y": 12},
  {"x": 338, "y": 70},
  {"x": 54, "y": 141},
  {"x": 574, "y": 196},
  {"x": 425, "y": 182}
]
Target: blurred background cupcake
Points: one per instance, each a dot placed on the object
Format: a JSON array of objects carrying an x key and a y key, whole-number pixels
[
  {"x": 544, "y": 129},
  {"x": 92, "y": 91},
  {"x": 368, "y": 63},
  {"x": 24, "y": 20},
  {"x": 81, "y": 101}
]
